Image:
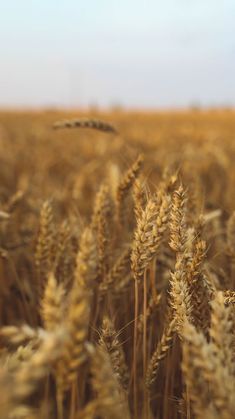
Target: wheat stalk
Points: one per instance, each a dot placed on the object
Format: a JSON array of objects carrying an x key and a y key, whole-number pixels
[{"x": 95, "y": 124}]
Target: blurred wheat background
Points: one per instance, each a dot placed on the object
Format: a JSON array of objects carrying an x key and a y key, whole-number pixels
[{"x": 117, "y": 265}]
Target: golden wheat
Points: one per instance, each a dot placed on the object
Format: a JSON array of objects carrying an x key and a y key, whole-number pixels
[{"x": 117, "y": 286}]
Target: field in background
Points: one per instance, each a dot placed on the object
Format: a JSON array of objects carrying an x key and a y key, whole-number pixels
[{"x": 117, "y": 250}]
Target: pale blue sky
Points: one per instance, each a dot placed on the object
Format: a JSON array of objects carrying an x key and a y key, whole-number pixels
[{"x": 137, "y": 53}]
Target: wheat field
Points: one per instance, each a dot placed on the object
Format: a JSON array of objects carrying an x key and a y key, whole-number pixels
[{"x": 117, "y": 265}]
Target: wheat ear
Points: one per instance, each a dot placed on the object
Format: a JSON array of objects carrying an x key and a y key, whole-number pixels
[
  {"x": 95, "y": 124},
  {"x": 109, "y": 341}
]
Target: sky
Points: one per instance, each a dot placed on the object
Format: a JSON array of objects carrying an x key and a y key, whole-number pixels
[{"x": 132, "y": 53}]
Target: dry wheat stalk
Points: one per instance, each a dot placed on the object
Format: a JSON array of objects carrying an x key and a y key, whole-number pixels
[
  {"x": 86, "y": 261},
  {"x": 103, "y": 245},
  {"x": 18, "y": 335},
  {"x": 181, "y": 301},
  {"x": 195, "y": 355},
  {"x": 139, "y": 196},
  {"x": 200, "y": 360},
  {"x": 122, "y": 286},
  {"x": 196, "y": 260},
  {"x": 126, "y": 183},
  {"x": 103, "y": 205},
  {"x": 148, "y": 235},
  {"x": 200, "y": 295},
  {"x": 30, "y": 373},
  {"x": 95, "y": 124},
  {"x": 22, "y": 354},
  {"x": 116, "y": 274},
  {"x": 79, "y": 307},
  {"x": 73, "y": 352},
  {"x": 14, "y": 200},
  {"x": 65, "y": 262},
  {"x": 221, "y": 332},
  {"x": 101, "y": 225},
  {"x": 153, "y": 304},
  {"x": 62, "y": 242},
  {"x": 111, "y": 399},
  {"x": 166, "y": 186},
  {"x": 110, "y": 342},
  {"x": 52, "y": 304},
  {"x": 44, "y": 247},
  {"x": 178, "y": 235},
  {"x": 160, "y": 353}
]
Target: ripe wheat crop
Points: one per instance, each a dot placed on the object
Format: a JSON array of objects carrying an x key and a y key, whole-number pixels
[{"x": 117, "y": 265}]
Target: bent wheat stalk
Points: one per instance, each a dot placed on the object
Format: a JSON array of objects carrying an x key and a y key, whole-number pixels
[{"x": 95, "y": 124}]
